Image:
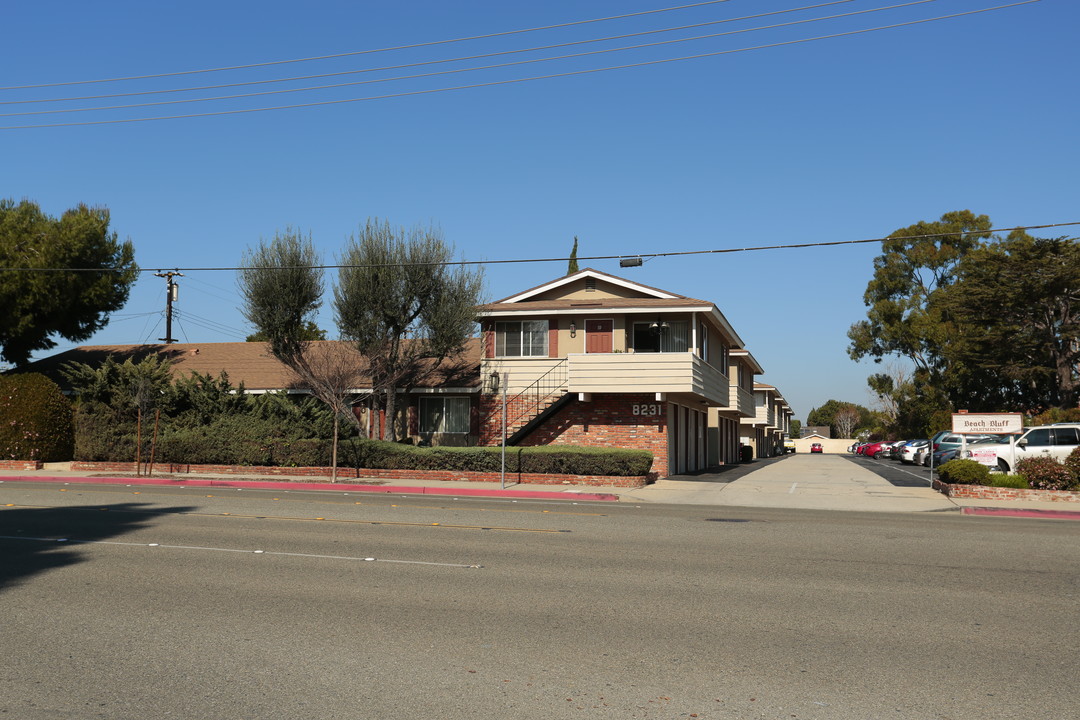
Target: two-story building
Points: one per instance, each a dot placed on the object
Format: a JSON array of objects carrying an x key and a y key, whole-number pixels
[
  {"x": 595, "y": 359},
  {"x": 766, "y": 429},
  {"x": 586, "y": 359}
]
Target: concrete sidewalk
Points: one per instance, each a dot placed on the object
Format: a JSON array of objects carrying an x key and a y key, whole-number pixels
[{"x": 819, "y": 482}]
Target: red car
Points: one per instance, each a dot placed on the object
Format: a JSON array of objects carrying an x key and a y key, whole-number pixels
[
  {"x": 816, "y": 448},
  {"x": 874, "y": 449}
]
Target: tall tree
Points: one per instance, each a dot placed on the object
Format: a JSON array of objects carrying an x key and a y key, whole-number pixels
[
  {"x": 1016, "y": 308},
  {"x": 572, "y": 266},
  {"x": 282, "y": 287},
  {"x": 403, "y": 305},
  {"x": 58, "y": 276},
  {"x": 311, "y": 331},
  {"x": 914, "y": 263}
]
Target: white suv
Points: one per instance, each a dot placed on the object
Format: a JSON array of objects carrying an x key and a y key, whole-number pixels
[{"x": 1055, "y": 441}]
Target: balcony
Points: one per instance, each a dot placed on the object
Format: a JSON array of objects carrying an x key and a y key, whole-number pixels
[
  {"x": 678, "y": 375},
  {"x": 742, "y": 402}
]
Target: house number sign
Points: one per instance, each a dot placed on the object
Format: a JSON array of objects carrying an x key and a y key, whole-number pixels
[{"x": 648, "y": 409}]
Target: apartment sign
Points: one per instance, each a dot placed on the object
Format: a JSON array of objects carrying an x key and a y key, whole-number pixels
[{"x": 987, "y": 423}]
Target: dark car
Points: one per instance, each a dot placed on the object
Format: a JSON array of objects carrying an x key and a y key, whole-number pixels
[{"x": 816, "y": 448}]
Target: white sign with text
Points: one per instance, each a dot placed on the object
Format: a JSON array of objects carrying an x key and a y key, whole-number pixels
[{"x": 987, "y": 423}]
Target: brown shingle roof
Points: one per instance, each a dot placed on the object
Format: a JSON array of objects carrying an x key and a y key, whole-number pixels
[{"x": 249, "y": 363}]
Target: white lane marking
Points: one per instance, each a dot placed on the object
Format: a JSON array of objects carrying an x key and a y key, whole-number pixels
[{"x": 236, "y": 550}]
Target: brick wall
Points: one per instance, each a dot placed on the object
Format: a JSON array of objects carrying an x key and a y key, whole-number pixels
[
  {"x": 21, "y": 464},
  {"x": 605, "y": 421},
  {"x": 368, "y": 473},
  {"x": 985, "y": 492}
]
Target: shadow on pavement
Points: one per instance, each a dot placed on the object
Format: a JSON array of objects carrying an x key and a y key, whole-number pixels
[
  {"x": 726, "y": 473},
  {"x": 34, "y": 540}
]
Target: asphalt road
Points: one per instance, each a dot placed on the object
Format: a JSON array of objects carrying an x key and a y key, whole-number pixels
[{"x": 124, "y": 603}]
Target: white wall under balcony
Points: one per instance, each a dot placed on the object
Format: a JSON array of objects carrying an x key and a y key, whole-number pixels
[{"x": 681, "y": 373}]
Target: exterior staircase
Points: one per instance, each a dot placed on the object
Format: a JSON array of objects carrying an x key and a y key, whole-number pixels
[{"x": 529, "y": 408}]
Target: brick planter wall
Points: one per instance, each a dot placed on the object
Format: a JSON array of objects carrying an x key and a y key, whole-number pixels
[
  {"x": 605, "y": 421},
  {"x": 21, "y": 464},
  {"x": 368, "y": 473},
  {"x": 985, "y": 492}
]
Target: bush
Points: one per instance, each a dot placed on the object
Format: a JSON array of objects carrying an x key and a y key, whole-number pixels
[
  {"x": 1073, "y": 464},
  {"x": 1003, "y": 480},
  {"x": 37, "y": 419},
  {"x": 1045, "y": 473},
  {"x": 964, "y": 472},
  {"x": 547, "y": 459}
]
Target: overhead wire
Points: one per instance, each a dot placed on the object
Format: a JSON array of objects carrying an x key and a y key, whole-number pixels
[
  {"x": 462, "y": 58},
  {"x": 493, "y": 83},
  {"x": 454, "y": 71},
  {"x": 353, "y": 53},
  {"x": 448, "y": 263}
]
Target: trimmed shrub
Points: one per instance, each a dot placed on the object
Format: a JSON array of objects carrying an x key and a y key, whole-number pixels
[
  {"x": 964, "y": 472},
  {"x": 1003, "y": 480},
  {"x": 35, "y": 419},
  {"x": 1073, "y": 464},
  {"x": 1045, "y": 473},
  {"x": 546, "y": 459}
]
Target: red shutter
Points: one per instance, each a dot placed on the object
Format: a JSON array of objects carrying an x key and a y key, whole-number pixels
[
  {"x": 489, "y": 340},
  {"x": 553, "y": 337}
]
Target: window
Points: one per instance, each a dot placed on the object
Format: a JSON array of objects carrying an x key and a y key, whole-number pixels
[
  {"x": 1066, "y": 436},
  {"x": 661, "y": 336},
  {"x": 525, "y": 338},
  {"x": 444, "y": 415}
]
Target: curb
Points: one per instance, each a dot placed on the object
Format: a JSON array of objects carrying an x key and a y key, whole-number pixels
[
  {"x": 336, "y": 487},
  {"x": 1022, "y": 512}
]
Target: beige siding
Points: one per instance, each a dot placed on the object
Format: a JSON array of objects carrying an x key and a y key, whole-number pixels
[
  {"x": 647, "y": 372},
  {"x": 523, "y": 371},
  {"x": 742, "y": 400}
]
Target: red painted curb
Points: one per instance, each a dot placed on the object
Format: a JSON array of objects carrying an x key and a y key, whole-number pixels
[
  {"x": 1022, "y": 512},
  {"x": 336, "y": 487}
]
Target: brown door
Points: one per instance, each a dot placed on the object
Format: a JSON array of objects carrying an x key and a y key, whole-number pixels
[{"x": 598, "y": 336}]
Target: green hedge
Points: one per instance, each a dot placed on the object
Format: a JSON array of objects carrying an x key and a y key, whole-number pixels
[
  {"x": 36, "y": 419},
  {"x": 546, "y": 459}
]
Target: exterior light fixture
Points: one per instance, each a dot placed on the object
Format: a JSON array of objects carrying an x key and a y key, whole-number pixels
[
  {"x": 494, "y": 382},
  {"x": 630, "y": 262},
  {"x": 573, "y": 329}
]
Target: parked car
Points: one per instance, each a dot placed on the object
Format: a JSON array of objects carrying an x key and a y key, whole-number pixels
[
  {"x": 896, "y": 448},
  {"x": 1055, "y": 441},
  {"x": 907, "y": 453},
  {"x": 873, "y": 450},
  {"x": 816, "y": 448}
]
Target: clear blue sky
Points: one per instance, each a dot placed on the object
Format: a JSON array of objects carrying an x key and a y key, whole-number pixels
[{"x": 838, "y": 139}]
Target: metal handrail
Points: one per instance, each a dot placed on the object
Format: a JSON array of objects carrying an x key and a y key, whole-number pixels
[{"x": 530, "y": 401}]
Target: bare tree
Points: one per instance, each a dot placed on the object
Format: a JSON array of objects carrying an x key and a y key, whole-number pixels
[
  {"x": 404, "y": 304},
  {"x": 846, "y": 420}
]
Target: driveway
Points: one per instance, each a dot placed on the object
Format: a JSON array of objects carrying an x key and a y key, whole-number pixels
[{"x": 811, "y": 482}]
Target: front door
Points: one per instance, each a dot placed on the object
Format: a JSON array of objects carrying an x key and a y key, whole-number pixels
[{"x": 598, "y": 335}]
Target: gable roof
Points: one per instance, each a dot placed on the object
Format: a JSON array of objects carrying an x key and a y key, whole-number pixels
[
  {"x": 251, "y": 363},
  {"x": 649, "y": 300},
  {"x": 590, "y": 273}
]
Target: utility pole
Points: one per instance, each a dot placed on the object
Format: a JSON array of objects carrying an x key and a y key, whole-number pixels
[{"x": 170, "y": 298}]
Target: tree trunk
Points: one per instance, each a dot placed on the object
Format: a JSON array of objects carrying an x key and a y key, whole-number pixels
[
  {"x": 333, "y": 451},
  {"x": 390, "y": 430}
]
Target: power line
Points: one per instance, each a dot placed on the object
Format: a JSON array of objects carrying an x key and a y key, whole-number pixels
[
  {"x": 514, "y": 80},
  {"x": 455, "y": 70},
  {"x": 447, "y": 263},
  {"x": 456, "y": 59},
  {"x": 368, "y": 52}
]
